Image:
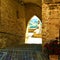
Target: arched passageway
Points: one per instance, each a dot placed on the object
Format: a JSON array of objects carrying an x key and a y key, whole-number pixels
[{"x": 34, "y": 31}]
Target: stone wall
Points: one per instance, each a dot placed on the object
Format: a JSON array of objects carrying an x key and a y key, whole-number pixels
[
  {"x": 50, "y": 17},
  {"x": 12, "y": 20},
  {"x": 12, "y": 13}
]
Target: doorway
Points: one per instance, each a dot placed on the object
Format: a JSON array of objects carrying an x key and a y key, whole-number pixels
[{"x": 34, "y": 31}]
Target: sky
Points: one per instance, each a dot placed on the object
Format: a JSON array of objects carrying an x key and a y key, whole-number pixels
[{"x": 33, "y": 23}]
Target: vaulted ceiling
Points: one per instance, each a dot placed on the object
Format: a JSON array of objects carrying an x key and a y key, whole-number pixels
[{"x": 37, "y": 2}]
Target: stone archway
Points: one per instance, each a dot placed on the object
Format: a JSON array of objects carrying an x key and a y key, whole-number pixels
[
  {"x": 32, "y": 9},
  {"x": 34, "y": 31}
]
